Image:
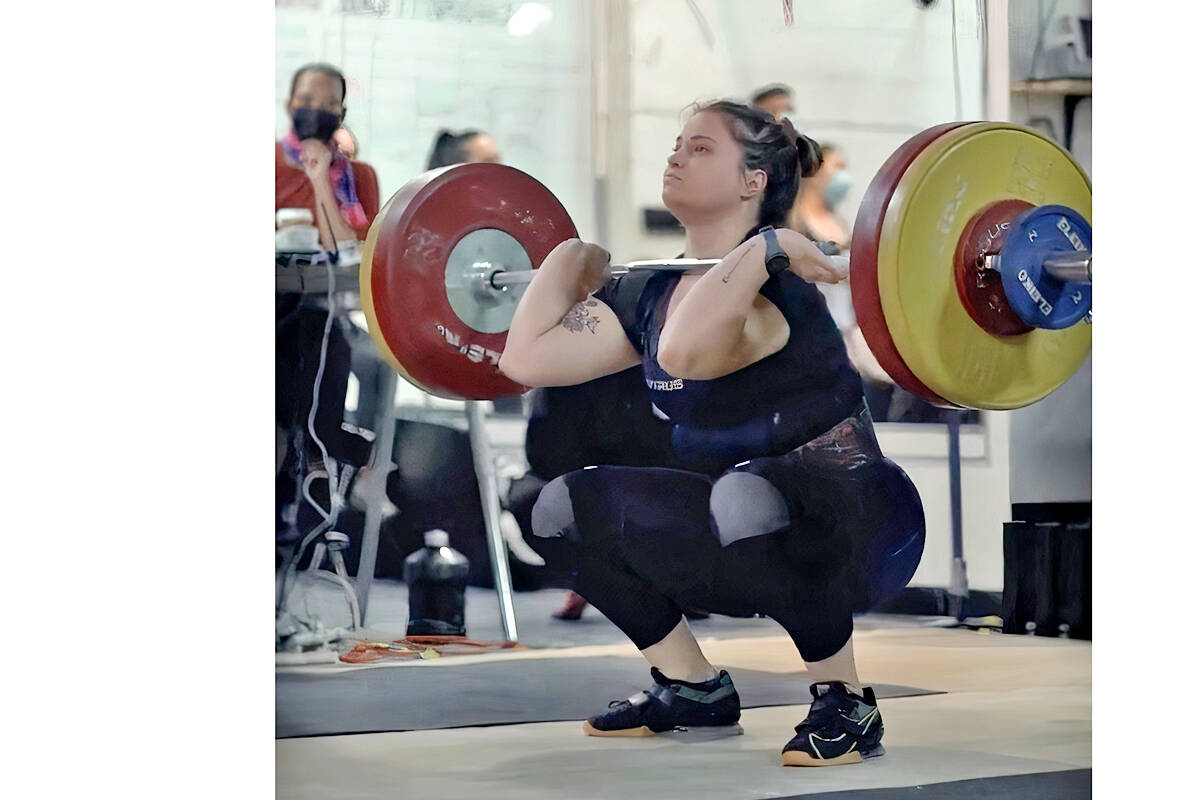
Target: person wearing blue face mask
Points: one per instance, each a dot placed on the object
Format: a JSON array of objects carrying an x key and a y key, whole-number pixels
[{"x": 815, "y": 213}]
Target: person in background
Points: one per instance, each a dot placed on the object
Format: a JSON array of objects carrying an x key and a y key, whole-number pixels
[
  {"x": 815, "y": 213},
  {"x": 775, "y": 99},
  {"x": 311, "y": 172},
  {"x": 464, "y": 147},
  {"x": 343, "y": 196}
]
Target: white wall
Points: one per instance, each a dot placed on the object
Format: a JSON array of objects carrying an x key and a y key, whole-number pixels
[
  {"x": 424, "y": 66},
  {"x": 867, "y": 74}
]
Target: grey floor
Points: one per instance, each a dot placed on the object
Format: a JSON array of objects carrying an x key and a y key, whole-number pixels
[{"x": 1013, "y": 719}]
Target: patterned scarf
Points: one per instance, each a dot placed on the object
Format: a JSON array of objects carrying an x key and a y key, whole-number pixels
[{"x": 341, "y": 177}]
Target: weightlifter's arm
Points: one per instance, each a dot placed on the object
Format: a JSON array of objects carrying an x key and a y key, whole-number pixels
[
  {"x": 724, "y": 324},
  {"x": 560, "y": 336}
]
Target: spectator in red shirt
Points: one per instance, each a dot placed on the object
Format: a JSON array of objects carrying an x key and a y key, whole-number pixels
[
  {"x": 343, "y": 195},
  {"x": 311, "y": 172}
]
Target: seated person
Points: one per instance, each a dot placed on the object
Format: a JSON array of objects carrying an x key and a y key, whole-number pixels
[
  {"x": 311, "y": 172},
  {"x": 464, "y": 147},
  {"x": 343, "y": 197}
]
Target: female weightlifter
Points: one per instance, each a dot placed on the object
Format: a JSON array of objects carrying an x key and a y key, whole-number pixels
[{"x": 786, "y": 507}]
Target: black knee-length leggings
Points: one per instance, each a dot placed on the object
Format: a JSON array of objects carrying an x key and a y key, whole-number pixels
[{"x": 642, "y": 543}]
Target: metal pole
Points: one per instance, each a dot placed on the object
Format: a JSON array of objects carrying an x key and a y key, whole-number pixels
[
  {"x": 958, "y": 566},
  {"x": 489, "y": 495},
  {"x": 1070, "y": 267},
  {"x": 501, "y": 279},
  {"x": 1067, "y": 266},
  {"x": 381, "y": 465}
]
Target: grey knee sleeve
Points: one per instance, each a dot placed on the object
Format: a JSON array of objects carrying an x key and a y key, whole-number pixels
[
  {"x": 553, "y": 513},
  {"x": 743, "y": 504}
]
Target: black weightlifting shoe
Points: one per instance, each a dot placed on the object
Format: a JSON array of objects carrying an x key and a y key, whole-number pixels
[
  {"x": 841, "y": 728},
  {"x": 712, "y": 707}
]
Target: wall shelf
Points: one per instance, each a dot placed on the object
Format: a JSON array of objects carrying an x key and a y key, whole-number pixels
[
  {"x": 1072, "y": 90},
  {"x": 1073, "y": 86}
]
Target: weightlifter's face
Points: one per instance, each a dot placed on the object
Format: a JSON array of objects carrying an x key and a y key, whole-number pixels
[{"x": 704, "y": 175}]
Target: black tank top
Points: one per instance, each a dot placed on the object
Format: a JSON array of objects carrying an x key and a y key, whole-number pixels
[{"x": 774, "y": 405}]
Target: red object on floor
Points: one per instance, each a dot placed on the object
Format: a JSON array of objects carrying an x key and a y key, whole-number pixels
[
  {"x": 413, "y": 646},
  {"x": 572, "y": 608}
]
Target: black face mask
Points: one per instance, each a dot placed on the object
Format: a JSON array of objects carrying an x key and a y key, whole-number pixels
[{"x": 314, "y": 123}]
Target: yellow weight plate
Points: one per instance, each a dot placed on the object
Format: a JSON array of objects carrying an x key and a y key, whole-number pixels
[
  {"x": 945, "y": 186},
  {"x": 365, "y": 268}
]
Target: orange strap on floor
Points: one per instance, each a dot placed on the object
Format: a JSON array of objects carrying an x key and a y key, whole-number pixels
[{"x": 420, "y": 647}]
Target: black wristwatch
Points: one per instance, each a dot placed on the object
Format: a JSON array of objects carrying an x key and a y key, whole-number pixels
[{"x": 777, "y": 260}]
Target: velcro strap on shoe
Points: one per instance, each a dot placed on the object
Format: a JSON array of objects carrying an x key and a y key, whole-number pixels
[{"x": 667, "y": 694}]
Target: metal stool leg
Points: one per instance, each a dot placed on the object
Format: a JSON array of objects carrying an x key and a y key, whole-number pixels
[
  {"x": 958, "y": 565},
  {"x": 489, "y": 494},
  {"x": 385, "y": 429}
]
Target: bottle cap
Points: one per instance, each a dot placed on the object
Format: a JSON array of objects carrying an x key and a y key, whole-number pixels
[{"x": 437, "y": 538}]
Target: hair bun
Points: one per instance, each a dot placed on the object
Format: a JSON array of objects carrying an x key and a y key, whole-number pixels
[
  {"x": 808, "y": 151},
  {"x": 810, "y": 155},
  {"x": 789, "y": 130}
]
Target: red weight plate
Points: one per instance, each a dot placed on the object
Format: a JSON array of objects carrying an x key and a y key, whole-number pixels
[
  {"x": 864, "y": 267},
  {"x": 980, "y": 289},
  {"x": 437, "y": 350}
]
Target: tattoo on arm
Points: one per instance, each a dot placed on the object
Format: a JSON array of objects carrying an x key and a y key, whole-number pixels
[
  {"x": 728, "y": 275},
  {"x": 579, "y": 318}
]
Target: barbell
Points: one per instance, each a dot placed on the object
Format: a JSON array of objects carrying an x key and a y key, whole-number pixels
[{"x": 970, "y": 268}]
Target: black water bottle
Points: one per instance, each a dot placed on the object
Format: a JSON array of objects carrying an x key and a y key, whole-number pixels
[{"x": 437, "y": 585}]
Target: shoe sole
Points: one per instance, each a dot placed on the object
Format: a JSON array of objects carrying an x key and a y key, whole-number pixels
[
  {"x": 799, "y": 758},
  {"x": 694, "y": 733}
]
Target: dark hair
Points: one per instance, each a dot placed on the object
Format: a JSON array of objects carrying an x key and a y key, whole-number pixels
[
  {"x": 324, "y": 69},
  {"x": 770, "y": 90},
  {"x": 450, "y": 148},
  {"x": 775, "y": 148}
]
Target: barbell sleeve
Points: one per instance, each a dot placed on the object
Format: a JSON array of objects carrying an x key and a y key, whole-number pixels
[
  {"x": 1070, "y": 267},
  {"x": 1067, "y": 266}
]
